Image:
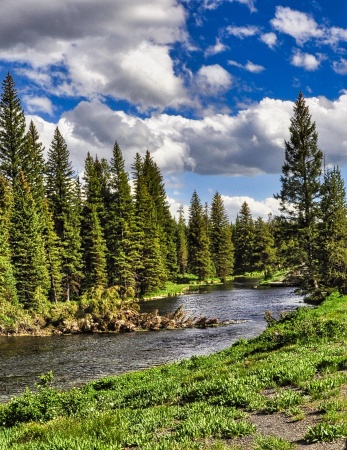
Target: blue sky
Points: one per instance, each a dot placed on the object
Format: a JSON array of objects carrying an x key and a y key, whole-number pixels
[{"x": 206, "y": 85}]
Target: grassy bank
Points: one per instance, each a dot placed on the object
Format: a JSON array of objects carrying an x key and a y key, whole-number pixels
[{"x": 296, "y": 372}]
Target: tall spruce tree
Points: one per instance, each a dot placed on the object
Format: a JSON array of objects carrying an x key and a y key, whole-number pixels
[
  {"x": 244, "y": 240},
  {"x": 27, "y": 247},
  {"x": 93, "y": 240},
  {"x": 34, "y": 164},
  {"x": 120, "y": 227},
  {"x": 64, "y": 201},
  {"x": 150, "y": 267},
  {"x": 222, "y": 251},
  {"x": 165, "y": 222},
  {"x": 301, "y": 182},
  {"x": 264, "y": 252},
  {"x": 181, "y": 242},
  {"x": 198, "y": 242},
  {"x": 12, "y": 131},
  {"x": 332, "y": 237},
  {"x": 95, "y": 273},
  {"x": 8, "y": 290},
  {"x": 53, "y": 251}
]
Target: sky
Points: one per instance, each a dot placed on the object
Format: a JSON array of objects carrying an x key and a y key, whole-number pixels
[{"x": 207, "y": 86}]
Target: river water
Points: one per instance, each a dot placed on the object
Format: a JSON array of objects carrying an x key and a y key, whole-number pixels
[{"x": 77, "y": 359}]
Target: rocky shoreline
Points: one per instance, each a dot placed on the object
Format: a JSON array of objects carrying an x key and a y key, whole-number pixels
[{"x": 127, "y": 320}]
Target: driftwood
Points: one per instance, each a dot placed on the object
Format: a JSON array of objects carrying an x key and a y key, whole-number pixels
[{"x": 130, "y": 320}]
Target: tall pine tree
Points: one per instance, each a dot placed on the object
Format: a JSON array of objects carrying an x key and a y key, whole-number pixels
[
  {"x": 222, "y": 251},
  {"x": 332, "y": 237},
  {"x": 198, "y": 242},
  {"x": 299, "y": 195},
  {"x": 244, "y": 240},
  {"x": 123, "y": 256},
  {"x": 12, "y": 131},
  {"x": 64, "y": 202},
  {"x": 27, "y": 247},
  {"x": 8, "y": 290}
]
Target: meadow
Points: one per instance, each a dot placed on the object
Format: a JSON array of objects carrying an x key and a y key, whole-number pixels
[{"x": 296, "y": 369}]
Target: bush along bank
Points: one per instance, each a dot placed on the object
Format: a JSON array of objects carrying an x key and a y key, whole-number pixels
[
  {"x": 98, "y": 310},
  {"x": 295, "y": 372}
]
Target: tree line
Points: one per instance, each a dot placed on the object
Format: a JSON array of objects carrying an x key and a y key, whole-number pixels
[{"x": 60, "y": 236}]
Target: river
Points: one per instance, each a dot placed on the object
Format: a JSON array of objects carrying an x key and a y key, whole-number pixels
[{"x": 77, "y": 359}]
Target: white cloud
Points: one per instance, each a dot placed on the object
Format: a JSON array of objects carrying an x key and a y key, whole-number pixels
[
  {"x": 68, "y": 53},
  {"x": 213, "y": 4},
  {"x": 38, "y": 104},
  {"x": 305, "y": 60},
  {"x": 254, "y": 68},
  {"x": 301, "y": 26},
  {"x": 248, "y": 143},
  {"x": 219, "y": 47},
  {"x": 242, "y": 32},
  {"x": 270, "y": 39},
  {"x": 249, "y": 66},
  {"x": 213, "y": 79},
  {"x": 257, "y": 208},
  {"x": 340, "y": 67}
]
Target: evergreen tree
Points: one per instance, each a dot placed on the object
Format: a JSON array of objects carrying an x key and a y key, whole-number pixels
[
  {"x": 27, "y": 246},
  {"x": 244, "y": 240},
  {"x": 34, "y": 165},
  {"x": 120, "y": 227},
  {"x": 93, "y": 240},
  {"x": 198, "y": 242},
  {"x": 53, "y": 251},
  {"x": 7, "y": 281},
  {"x": 12, "y": 131},
  {"x": 222, "y": 252},
  {"x": 182, "y": 245},
  {"x": 95, "y": 273},
  {"x": 300, "y": 180},
  {"x": 165, "y": 222},
  {"x": 332, "y": 236},
  {"x": 150, "y": 267},
  {"x": 264, "y": 253},
  {"x": 63, "y": 194}
]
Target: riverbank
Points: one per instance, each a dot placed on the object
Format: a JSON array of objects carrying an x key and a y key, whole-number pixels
[
  {"x": 283, "y": 389},
  {"x": 101, "y": 310}
]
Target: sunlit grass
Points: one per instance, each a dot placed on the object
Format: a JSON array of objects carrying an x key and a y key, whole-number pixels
[{"x": 200, "y": 403}]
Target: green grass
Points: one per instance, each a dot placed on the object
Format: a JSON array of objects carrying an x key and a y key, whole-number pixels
[{"x": 298, "y": 363}]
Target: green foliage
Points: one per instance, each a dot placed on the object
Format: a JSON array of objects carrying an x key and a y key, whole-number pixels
[
  {"x": 301, "y": 188},
  {"x": 12, "y": 130},
  {"x": 325, "y": 432},
  {"x": 199, "y": 261},
  {"x": 244, "y": 240},
  {"x": 272, "y": 443},
  {"x": 222, "y": 250},
  {"x": 195, "y": 403}
]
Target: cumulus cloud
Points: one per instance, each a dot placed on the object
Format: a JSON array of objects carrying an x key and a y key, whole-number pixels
[
  {"x": 257, "y": 208},
  {"x": 303, "y": 28},
  {"x": 213, "y": 80},
  {"x": 248, "y": 143},
  {"x": 305, "y": 60},
  {"x": 70, "y": 54},
  {"x": 299, "y": 25},
  {"x": 270, "y": 39}
]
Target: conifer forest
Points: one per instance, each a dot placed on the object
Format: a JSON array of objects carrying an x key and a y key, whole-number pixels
[{"x": 61, "y": 236}]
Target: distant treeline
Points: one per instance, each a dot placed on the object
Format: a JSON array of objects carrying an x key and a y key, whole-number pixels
[{"x": 61, "y": 236}]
